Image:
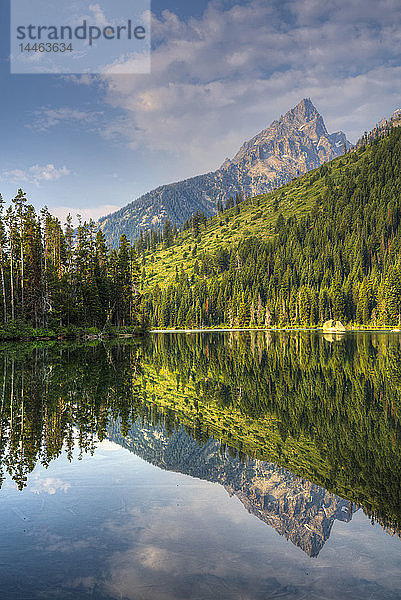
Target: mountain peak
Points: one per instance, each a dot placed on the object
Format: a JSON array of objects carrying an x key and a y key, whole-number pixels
[
  {"x": 293, "y": 145},
  {"x": 297, "y": 142},
  {"x": 305, "y": 109},
  {"x": 302, "y": 113}
]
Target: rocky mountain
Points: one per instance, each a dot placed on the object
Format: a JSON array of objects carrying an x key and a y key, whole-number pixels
[
  {"x": 381, "y": 128},
  {"x": 294, "y": 144},
  {"x": 299, "y": 510}
]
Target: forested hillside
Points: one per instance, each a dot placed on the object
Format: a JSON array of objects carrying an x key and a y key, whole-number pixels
[
  {"x": 325, "y": 246},
  {"x": 329, "y": 412},
  {"x": 55, "y": 277}
]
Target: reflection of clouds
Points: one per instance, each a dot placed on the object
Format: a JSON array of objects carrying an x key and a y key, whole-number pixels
[
  {"x": 55, "y": 543},
  {"x": 155, "y": 558},
  {"x": 159, "y": 535},
  {"x": 182, "y": 552},
  {"x": 199, "y": 543},
  {"x": 49, "y": 485},
  {"x": 109, "y": 446},
  {"x": 79, "y": 583}
]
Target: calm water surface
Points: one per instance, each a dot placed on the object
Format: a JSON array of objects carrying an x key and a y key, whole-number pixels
[{"x": 206, "y": 466}]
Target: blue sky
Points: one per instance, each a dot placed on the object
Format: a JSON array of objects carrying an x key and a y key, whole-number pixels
[{"x": 221, "y": 72}]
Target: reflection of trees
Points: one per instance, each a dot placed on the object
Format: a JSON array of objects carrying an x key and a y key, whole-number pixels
[
  {"x": 329, "y": 412},
  {"x": 54, "y": 399},
  {"x": 344, "y": 398}
]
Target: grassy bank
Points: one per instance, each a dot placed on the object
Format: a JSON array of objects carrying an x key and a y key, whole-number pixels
[{"x": 21, "y": 331}]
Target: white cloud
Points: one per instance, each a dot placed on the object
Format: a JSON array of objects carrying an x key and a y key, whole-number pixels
[
  {"x": 47, "y": 117},
  {"x": 99, "y": 17},
  {"x": 221, "y": 78},
  {"x": 82, "y": 79},
  {"x": 94, "y": 212},
  {"x": 96, "y": 16},
  {"x": 36, "y": 174}
]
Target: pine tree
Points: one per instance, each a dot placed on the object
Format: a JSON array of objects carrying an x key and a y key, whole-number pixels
[
  {"x": 3, "y": 241},
  {"x": 20, "y": 202}
]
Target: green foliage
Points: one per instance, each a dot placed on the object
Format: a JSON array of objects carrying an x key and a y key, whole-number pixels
[
  {"x": 53, "y": 278},
  {"x": 328, "y": 409},
  {"x": 333, "y": 251},
  {"x": 48, "y": 395}
]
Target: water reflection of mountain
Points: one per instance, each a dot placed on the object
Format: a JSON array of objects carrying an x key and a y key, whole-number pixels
[
  {"x": 329, "y": 413},
  {"x": 297, "y": 509}
]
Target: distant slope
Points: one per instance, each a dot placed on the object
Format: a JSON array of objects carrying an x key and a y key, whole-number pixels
[
  {"x": 294, "y": 144},
  {"x": 255, "y": 216},
  {"x": 327, "y": 245},
  {"x": 381, "y": 128}
]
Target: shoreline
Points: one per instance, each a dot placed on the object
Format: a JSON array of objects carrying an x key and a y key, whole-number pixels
[
  {"x": 88, "y": 335},
  {"x": 81, "y": 335},
  {"x": 281, "y": 329}
]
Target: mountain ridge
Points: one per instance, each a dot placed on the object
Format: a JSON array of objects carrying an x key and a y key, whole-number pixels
[
  {"x": 288, "y": 147},
  {"x": 302, "y": 512}
]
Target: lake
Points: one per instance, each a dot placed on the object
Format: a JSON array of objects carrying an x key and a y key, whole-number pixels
[{"x": 236, "y": 465}]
